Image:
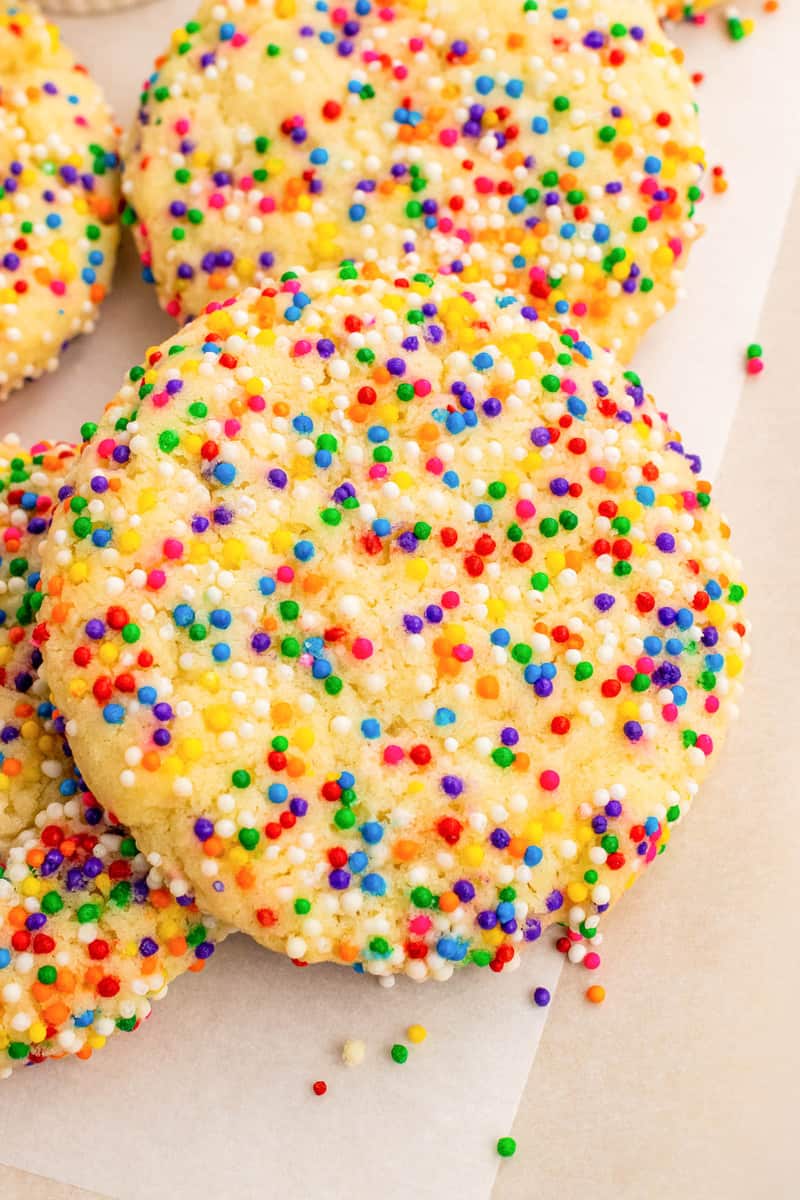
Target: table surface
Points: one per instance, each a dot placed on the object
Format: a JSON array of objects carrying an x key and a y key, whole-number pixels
[{"x": 688, "y": 1073}]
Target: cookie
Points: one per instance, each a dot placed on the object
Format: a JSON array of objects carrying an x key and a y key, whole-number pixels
[
  {"x": 89, "y": 933},
  {"x": 87, "y": 939},
  {"x": 59, "y": 197},
  {"x": 401, "y": 622},
  {"x": 29, "y": 483},
  {"x": 546, "y": 146}
]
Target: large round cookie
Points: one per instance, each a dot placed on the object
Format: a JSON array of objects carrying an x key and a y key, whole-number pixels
[
  {"x": 88, "y": 936},
  {"x": 549, "y": 146},
  {"x": 59, "y": 196},
  {"x": 401, "y": 622}
]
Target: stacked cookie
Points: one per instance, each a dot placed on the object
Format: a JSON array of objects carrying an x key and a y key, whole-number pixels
[{"x": 382, "y": 615}]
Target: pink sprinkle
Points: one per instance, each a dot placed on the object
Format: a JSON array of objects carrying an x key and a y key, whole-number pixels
[
  {"x": 216, "y": 200},
  {"x": 420, "y": 924},
  {"x": 362, "y": 648},
  {"x": 580, "y": 308},
  {"x": 591, "y": 960},
  {"x": 174, "y": 308},
  {"x": 256, "y": 404},
  {"x": 400, "y": 72},
  {"x": 569, "y": 386},
  {"x": 246, "y": 183},
  {"x": 393, "y": 754},
  {"x": 755, "y": 366},
  {"x": 705, "y": 743},
  {"x": 549, "y": 780},
  {"x": 525, "y": 509},
  {"x": 712, "y": 704},
  {"x": 12, "y": 534},
  {"x": 232, "y": 427},
  {"x": 160, "y": 399},
  {"x": 450, "y": 599},
  {"x": 483, "y": 185},
  {"x": 446, "y": 225},
  {"x": 462, "y": 652},
  {"x": 378, "y": 471},
  {"x": 597, "y": 474},
  {"x": 676, "y": 246},
  {"x": 239, "y": 39},
  {"x": 448, "y": 137},
  {"x": 284, "y": 574},
  {"x": 644, "y": 665},
  {"x": 435, "y": 466},
  {"x": 670, "y": 712},
  {"x": 182, "y": 126},
  {"x": 625, "y": 673},
  {"x": 292, "y": 286},
  {"x": 267, "y": 204},
  {"x": 300, "y": 348},
  {"x": 415, "y": 44},
  {"x": 105, "y": 448},
  {"x": 58, "y": 287},
  {"x": 422, "y": 387},
  {"x": 173, "y": 548},
  {"x": 156, "y": 579}
]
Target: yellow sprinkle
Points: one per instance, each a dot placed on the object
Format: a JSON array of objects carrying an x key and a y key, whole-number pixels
[
  {"x": 217, "y": 717},
  {"x": 108, "y": 653},
  {"x": 37, "y": 1032},
  {"x": 416, "y": 1034},
  {"x": 303, "y": 737}
]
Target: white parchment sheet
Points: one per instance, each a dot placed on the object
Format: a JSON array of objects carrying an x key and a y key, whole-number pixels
[{"x": 212, "y": 1098}]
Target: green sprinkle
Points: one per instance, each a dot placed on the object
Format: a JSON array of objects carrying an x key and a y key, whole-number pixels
[
  {"x": 399, "y": 1052},
  {"x": 249, "y": 838},
  {"x": 506, "y": 1147},
  {"x": 51, "y": 903}
]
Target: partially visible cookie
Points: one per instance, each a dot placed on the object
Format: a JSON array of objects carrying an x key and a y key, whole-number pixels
[
  {"x": 88, "y": 939},
  {"x": 29, "y": 484},
  {"x": 89, "y": 933},
  {"x": 59, "y": 196},
  {"x": 401, "y": 622},
  {"x": 552, "y": 147}
]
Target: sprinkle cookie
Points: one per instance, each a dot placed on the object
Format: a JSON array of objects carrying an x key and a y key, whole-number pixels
[
  {"x": 89, "y": 933},
  {"x": 403, "y": 623},
  {"x": 543, "y": 146},
  {"x": 59, "y": 197},
  {"x": 87, "y": 939},
  {"x": 29, "y": 483}
]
